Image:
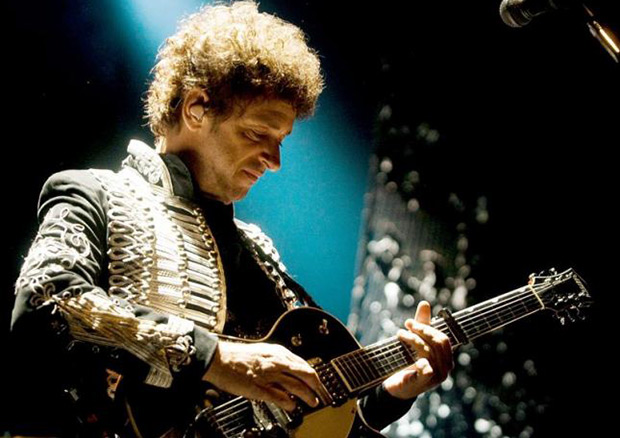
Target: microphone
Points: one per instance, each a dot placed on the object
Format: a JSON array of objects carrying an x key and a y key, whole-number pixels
[{"x": 518, "y": 13}]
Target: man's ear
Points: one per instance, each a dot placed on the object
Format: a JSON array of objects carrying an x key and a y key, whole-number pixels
[{"x": 194, "y": 108}]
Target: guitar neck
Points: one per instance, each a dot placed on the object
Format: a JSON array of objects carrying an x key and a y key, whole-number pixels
[{"x": 366, "y": 367}]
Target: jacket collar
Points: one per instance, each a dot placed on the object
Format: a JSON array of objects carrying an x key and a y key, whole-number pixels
[
  {"x": 166, "y": 171},
  {"x": 169, "y": 172}
]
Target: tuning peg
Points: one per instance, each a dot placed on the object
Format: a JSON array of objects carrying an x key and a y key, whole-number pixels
[
  {"x": 562, "y": 320},
  {"x": 581, "y": 315},
  {"x": 561, "y": 316}
]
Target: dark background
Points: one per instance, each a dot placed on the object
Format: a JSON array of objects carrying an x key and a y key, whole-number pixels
[{"x": 528, "y": 117}]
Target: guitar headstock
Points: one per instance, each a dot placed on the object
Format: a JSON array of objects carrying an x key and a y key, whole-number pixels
[{"x": 564, "y": 293}]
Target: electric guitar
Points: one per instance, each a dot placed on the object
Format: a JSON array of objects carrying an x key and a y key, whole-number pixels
[{"x": 346, "y": 369}]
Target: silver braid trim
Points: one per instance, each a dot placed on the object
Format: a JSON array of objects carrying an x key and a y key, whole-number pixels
[{"x": 161, "y": 255}]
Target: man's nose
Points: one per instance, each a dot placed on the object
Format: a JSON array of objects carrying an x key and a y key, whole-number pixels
[{"x": 271, "y": 157}]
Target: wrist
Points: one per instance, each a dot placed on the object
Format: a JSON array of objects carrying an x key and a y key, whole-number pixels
[{"x": 213, "y": 365}]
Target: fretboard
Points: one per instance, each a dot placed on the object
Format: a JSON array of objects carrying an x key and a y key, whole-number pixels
[{"x": 368, "y": 366}]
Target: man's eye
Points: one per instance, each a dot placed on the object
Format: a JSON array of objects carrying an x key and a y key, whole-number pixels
[
  {"x": 258, "y": 137},
  {"x": 254, "y": 136}
]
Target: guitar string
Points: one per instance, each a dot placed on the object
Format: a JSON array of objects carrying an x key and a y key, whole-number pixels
[
  {"x": 239, "y": 406},
  {"x": 226, "y": 419},
  {"x": 497, "y": 312},
  {"x": 372, "y": 358},
  {"x": 233, "y": 423},
  {"x": 352, "y": 368},
  {"x": 471, "y": 319},
  {"x": 388, "y": 345},
  {"x": 231, "y": 404},
  {"x": 237, "y": 426},
  {"x": 236, "y": 409},
  {"x": 521, "y": 297},
  {"x": 374, "y": 355},
  {"x": 441, "y": 324},
  {"x": 349, "y": 363},
  {"x": 238, "y": 419},
  {"x": 370, "y": 366}
]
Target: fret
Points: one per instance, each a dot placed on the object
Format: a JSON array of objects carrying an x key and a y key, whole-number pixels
[
  {"x": 389, "y": 361},
  {"x": 364, "y": 367},
  {"x": 523, "y": 303},
  {"x": 384, "y": 356},
  {"x": 487, "y": 322},
  {"x": 497, "y": 312},
  {"x": 357, "y": 379},
  {"x": 410, "y": 356},
  {"x": 346, "y": 373},
  {"x": 490, "y": 315},
  {"x": 372, "y": 364}
]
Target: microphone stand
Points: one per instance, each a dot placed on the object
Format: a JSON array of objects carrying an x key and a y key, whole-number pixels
[{"x": 604, "y": 36}]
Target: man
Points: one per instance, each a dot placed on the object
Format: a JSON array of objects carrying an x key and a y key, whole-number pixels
[{"x": 134, "y": 275}]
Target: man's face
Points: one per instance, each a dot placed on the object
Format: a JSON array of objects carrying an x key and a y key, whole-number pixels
[{"x": 230, "y": 155}]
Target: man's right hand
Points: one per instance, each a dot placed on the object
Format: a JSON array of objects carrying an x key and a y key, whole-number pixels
[{"x": 262, "y": 371}]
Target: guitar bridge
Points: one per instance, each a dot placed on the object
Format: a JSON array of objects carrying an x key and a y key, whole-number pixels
[{"x": 273, "y": 421}]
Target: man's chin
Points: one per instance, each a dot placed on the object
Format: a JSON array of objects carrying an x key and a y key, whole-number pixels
[{"x": 239, "y": 194}]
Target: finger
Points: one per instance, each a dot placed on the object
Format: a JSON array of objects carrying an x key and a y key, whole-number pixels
[
  {"x": 297, "y": 367},
  {"x": 410, "y": 375},
  {"x": 421, "y": 347},
  {"x": 299, "y": 389},
  {"x": 436, "y": 348},
  {"x": 274, "y": 394},
  {"x": 425, "y": 368},
  {"x": 423, "y": 312},
  {"x": 430, "y": 334},
  {"x": 300, "y": 369}
]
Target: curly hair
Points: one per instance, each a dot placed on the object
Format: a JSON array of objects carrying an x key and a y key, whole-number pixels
[{"x": 235, "y": 53}]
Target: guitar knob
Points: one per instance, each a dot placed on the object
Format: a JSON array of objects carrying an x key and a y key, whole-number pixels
[
  {"x": 251, "y": 433},
  {"x": 296, "y": 341},
  {"x": 212, "y": 393},
  {"x": 323, "y": 329}
]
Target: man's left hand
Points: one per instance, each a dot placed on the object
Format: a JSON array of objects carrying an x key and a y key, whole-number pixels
[{"x": 434, "y": 355}]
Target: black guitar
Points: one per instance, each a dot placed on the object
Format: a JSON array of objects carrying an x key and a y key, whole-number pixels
[{"x": 346, "y": 369}]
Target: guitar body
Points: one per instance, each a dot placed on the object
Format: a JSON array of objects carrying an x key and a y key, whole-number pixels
[{"x": 308, "y": 332}]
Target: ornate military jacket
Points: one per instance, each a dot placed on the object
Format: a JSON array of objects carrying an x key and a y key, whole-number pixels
[
  {"x": 126, "y": 262},
  {"x": 130, "y": 264}
]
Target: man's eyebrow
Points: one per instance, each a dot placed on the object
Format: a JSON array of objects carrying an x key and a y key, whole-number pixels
[
  {"x": 267, "y": 115},
  {"x": 265, "y": 123}
]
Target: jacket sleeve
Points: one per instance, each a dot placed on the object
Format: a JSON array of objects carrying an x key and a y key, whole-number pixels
[
  {"x": 379, "y": 409},
  {"x": 63, "y": 282}
]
